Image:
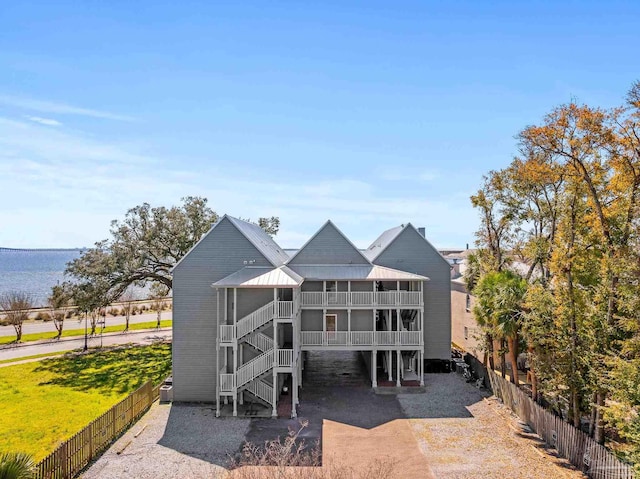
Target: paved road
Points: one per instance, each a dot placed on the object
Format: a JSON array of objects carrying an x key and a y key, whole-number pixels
[
  {"x": 146, "y": 336},
  {"x": 44, "y": 327}
]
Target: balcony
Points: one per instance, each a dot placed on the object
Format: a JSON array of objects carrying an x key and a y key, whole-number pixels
[
  {"x": 360, "y": 340},
  {"x": 361, "y": 299}
]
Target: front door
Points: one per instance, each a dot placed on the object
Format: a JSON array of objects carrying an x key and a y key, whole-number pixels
[{"x": 332, "y": 327}]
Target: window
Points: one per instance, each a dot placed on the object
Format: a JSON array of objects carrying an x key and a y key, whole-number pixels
[
  {"x": 468, "y": 303},
  {"x": 466, "y": 333}
]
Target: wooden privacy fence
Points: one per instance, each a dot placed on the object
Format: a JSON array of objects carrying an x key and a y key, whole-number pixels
[
  {"x": 74, "y": 454},
  {"x": 571, "y": 443}
]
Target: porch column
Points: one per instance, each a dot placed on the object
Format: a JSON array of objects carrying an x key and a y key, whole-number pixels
[
  {"x": 241, "y": 362},
  {"x": 389, "y": 358},
  {"x": 421, "y": 367},
  {"x": 226, "y": 306},
  {"x": 294, "y": 392},
  {"x": 397, "y": 292},
  {"x": 274, "y": 411},
  {"x": 374, "y": 366},
  {"x": 399, "y": 357},
  {"x": 349, "y": 292},
  {"x": 349, "y": 326},
  {"x": 217, "y": 352}
]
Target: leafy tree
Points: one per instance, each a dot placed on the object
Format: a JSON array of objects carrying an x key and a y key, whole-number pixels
[
  {"x": 16, "y": 466},
  {"x": 15, "y": 306},
  {"x": 146, "y": 245},
  {"x": 91, "y": 299}
]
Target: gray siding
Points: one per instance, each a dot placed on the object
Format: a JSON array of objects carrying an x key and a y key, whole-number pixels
[
  {"x": 222, "y": 252},
  {"x": 410, "y": 252},
  {"x": 328, "y": 246}
]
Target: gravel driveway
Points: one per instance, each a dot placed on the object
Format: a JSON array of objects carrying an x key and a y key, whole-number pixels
[{"x": 452, "y": 430}]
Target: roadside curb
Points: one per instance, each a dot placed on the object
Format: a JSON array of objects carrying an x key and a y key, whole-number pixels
[{"x": 75, "y": 338}]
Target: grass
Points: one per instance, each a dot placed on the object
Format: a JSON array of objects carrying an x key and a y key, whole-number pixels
[
  {"x": 80, "y": 332},
  {"x": 46, "y": 402}
]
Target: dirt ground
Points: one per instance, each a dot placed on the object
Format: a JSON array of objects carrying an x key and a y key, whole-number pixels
[{"x": 452, "y": 430}]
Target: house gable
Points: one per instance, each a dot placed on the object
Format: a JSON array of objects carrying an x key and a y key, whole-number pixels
[{"x": 328, "y": 246}]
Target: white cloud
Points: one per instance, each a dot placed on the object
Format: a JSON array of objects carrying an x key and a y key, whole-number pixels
[
  {"x": 43, "y": 121},
  {"x": 62, "y": 188},
  {"x": 59, "y": 108}
]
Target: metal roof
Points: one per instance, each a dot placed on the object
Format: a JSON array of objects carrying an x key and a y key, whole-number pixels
[
  {"x": 381, "y": 243},
  {"x": 260, "y": 277},
  {"x": 261, "y": 240},
  {"x": 354, "y": 272}
]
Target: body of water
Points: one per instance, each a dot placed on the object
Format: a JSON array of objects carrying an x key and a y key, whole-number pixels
[{"x": 33, "y": 271}]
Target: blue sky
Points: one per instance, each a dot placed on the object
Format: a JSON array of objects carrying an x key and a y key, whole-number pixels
[{"x": 369, "y": 113}]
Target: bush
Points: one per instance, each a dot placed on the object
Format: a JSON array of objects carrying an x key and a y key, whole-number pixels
[
  {"x": 291, "y": 458},
  {"x": 143, "y": 308},
  {"x": 42, "y": 316}
]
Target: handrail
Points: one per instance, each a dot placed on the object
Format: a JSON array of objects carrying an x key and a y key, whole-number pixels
[
  {"x": 260, "y": 341},
  {"x": 361, "y": 338},
  {"x": 254, "y": 368},
  {"x": 253, "y": 321},
  {"x": 262, "y": 390},
  {"x": 285, "y": 358}
]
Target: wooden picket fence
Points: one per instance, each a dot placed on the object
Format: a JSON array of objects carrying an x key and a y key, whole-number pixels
[
  {"x": 571, "y": 443},
  {"x": 74, "y": 454}
]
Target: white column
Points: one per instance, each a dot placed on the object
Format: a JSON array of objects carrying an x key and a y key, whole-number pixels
[
  {"x": 349, "y": 292},
  {"x": 294, "y": 393},
  {"x": 235, "y": 350},
  {"x": 374, "y": 366},
  {"x": 399, "y": 358},
  {"x": 217, "y": 352},
  {"x": 349, "y": 326},
  {"x": 421, "y": 367},
  {"x": 389, "y": 358},
  {"x": 226, "y": 306},
  {"x": 274, "y": 411}
]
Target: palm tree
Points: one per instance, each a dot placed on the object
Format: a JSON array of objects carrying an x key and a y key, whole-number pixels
[
  {"x": 16, "y": 465},
  {"x": 498, "y": 310}
]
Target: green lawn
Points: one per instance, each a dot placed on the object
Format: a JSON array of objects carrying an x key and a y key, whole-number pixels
[
  {"x": 45, "y": 402},
  {"x": 80, "y": 332}
]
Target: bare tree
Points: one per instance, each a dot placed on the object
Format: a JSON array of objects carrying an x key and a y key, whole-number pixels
[
  {"x": 159, "y": 294},
  {"x": 15, "y": 306},
  {"x": 59, "y": 304},
  {"x": 127, "y": 299}
]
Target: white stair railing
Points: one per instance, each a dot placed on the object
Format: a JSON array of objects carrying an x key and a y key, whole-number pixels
[
  {"x": 260, "y": 341},
  {"x": 262, "y": 390},
  {"x": 253, "y": 321},
  {"x": 254, "y": 368}
]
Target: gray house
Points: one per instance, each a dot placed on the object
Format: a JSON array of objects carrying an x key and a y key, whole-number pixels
[{"x": 245, "y": 312}]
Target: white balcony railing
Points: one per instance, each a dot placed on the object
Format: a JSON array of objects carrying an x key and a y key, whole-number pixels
[
  {"x": 227, "y": 381},
  {"x": 361, "y": 338},
  {"x": 284, "y": 309},
  {"x": 227, "y": 333},
  {"x": 361, "y": 299},
  {"x": 254, "y": 368},
  {"x": 285, "y": 358}
]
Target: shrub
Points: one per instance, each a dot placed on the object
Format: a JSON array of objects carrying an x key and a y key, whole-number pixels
[
  {"x": 42, "y": 316},
  {"x": 291, "y": 458}
]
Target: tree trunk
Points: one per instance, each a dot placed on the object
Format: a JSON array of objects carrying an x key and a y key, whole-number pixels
[
  {"x": 18, "y": 328},
  {"x": 492, "y": 365},
  {"x": 503, "y": 364},
  {"x": 512, "y": 342},
  {"x": 594, "y": 414},
  {"x": 599, "y": 432},
  {"x": 575, "y": 409}
]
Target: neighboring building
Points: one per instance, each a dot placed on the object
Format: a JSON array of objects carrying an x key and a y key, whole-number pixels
[
  {"x": 245, "y": 311},
  {"x": 465, "y": 332}
]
